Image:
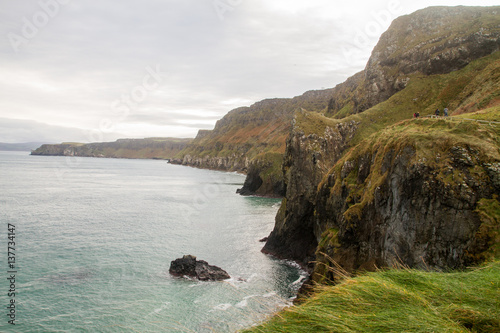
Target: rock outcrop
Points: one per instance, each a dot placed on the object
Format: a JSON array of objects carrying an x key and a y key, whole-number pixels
[
  {"x": 393, "y": 200},
  {"x": 253, "y": 182},
  {"x": 307, "y": 159},
  {"x": 408, "y": 195},
  {"x": 355, "y": 202},
  {"x": 199, "y": 269}
]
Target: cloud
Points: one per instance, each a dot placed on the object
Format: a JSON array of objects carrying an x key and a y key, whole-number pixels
[
  {"x": 88, "y": 55},
  {"x": 19, "y": 130}
]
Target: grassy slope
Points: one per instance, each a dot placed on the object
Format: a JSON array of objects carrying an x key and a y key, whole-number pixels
[
  {"x": 424, "y": 94},
  {"x": 404, "y": 300},
  {"x": 475, "y": 87},
  {"x": 256, "y": 130},
  {"x": 489, "y": 114},
  {"x": 400, "y": 300}
]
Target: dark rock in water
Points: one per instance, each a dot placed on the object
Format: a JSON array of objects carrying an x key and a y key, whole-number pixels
[
  {"x": 206, "y": 272},
  {"x": 183, "y": 266},
  {"x": 252, "y": 182},
  {"x": 199, "y": 269}
]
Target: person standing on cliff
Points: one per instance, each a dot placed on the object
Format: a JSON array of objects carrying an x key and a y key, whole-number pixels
[
  {"x": 445, "y": 112},
  {"x": 437, "y": 112}
]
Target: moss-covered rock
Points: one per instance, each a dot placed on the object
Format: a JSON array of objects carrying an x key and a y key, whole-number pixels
[{"x": 410, "y": 194}]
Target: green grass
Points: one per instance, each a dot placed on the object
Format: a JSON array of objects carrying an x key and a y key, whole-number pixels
[
  {"x": 426, "y": 93},
  {"x": 399, "y": 300},
  {"x": 475, "y": 87},
  {"x": 313, "y": 123},
  {"x": 489, "y": 232},
  {"x": 489, "y": 114}
]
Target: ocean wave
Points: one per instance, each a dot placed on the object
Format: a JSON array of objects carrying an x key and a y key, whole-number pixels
[{"x": 221, "y": 307}]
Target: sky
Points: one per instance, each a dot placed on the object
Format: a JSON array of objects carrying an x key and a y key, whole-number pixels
[{"x": 87, "y": 71}]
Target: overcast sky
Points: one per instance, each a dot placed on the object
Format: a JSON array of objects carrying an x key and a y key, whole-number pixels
[{"x": 109, "y": 69}]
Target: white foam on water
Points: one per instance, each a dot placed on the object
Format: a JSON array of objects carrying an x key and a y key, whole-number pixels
[
  {"x": 241, "y": 304},
  {"x": 221, "y": 307},
  {"x": 300, "y": 280}
]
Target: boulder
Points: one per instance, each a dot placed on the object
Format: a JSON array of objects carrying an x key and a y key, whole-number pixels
[{"x": 199, "y": 269}]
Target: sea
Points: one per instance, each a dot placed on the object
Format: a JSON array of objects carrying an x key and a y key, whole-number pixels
[{"x": 87, "y": 245}]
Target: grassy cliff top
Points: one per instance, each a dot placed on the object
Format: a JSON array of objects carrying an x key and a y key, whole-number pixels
[{"x": 399, "y": 300}]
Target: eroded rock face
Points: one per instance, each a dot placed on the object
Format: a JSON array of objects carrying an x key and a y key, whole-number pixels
[
  {"x": 252, "y": 183},
  {"x": 235, "y": 161},
  {"x": 428, "y": 42},
  {"x": 421, "y": 214},
  {"x": 199, "y": 269},
  {"x": 435, "y": 40},
  {"x": 307, "y": 159}
]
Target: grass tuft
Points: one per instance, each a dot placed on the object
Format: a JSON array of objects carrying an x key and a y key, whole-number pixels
[{"x": 399, "y": 300}]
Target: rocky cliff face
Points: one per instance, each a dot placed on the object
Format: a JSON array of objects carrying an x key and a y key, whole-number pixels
[
  {"x": 396, "y": 200},
  {"x": 308, "y": 157},
  {"x": 233, "y": 162},
  {"x": 436, "y": 40},
  {"x": 413, "y": 199},
  {"x": 409, "y": 194}
]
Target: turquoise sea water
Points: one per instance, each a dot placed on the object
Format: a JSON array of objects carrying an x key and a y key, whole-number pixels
[{"x": 94, "y": 239}]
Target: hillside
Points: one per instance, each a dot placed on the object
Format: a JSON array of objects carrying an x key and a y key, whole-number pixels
[
  {"x": 318, "y": 211},
  {"x": 322, "y": 152},
  {"x": 429, "y": 42},
  {"x": 158, "y": 148},
  {"x": 436, "y": 40},
  {"x": 252, "y": 140}
]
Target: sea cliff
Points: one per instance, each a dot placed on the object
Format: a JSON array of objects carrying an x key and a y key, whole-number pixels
[
  {"x": 367, "y": 186},
  {"x": 156, "y": 148}
]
